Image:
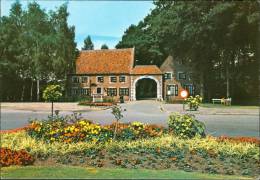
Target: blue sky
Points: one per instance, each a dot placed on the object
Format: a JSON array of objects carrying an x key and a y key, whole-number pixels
[{"x": 104, "y": 21}]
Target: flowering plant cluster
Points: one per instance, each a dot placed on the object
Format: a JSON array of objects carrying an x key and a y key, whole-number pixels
[
  {"x": 85, "y": 131},
  {"x": 10, "y": 157},
  {"x": 186, "y": 126},
  {"x": 251, "y": 140},
  {"x": 137, "y": 130},
  {"x": 193, "y": 102},
  {"x": 57, "y": 131}
]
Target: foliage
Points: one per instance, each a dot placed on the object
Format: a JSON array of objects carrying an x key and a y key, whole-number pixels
[
  {"x": 104, "y": 46},
  {"x": 196, "y": 26},
  {"x": 136, "y": 130},
  {"x": 52, "y": 93},
  {"x": 88, "y": 45},
  {"x": 117, "y": 112},
  {"x": 73, "y": 129},
  {"x": 35, "y": 46},
  {"x": 252, "y": 140},
  {"x": 11, "y": 157},
  {"x": 62, "y": 131},
  {"x": 107, "y": 101},
  {"x": 186, "y": 126},
  {"x": 193, "y": 102},
  {"x": 168, "y": 151},
  {"x": 95, "y": 103}
]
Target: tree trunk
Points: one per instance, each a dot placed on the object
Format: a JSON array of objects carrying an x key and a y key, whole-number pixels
[
  {"x": 228, "y": 81},
  {"x": 52, "y": 110},
  {"x": 38, "y": 90},
  {"x": 22, "y": 95},
  {"x": 32, "y": 91},
  {"x": 202, "y": 85},
  {"x": 115, "y": 131}
]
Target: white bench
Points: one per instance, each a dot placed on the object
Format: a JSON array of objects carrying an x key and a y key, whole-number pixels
[
  {"x": 223, "y": 101},
  {"x": 217, "y": 100}
]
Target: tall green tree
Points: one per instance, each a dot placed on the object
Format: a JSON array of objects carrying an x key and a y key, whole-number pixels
[
  {"x": 35, "y": 47},
  {"x": 88, "y": 45},
  {"x": 216, "y": 39}
]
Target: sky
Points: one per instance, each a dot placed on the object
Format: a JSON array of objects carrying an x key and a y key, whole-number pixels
[{"x": 104, "y": 21}]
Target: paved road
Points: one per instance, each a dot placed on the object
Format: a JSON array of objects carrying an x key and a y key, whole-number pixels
[{"x": 147, "y": 112}]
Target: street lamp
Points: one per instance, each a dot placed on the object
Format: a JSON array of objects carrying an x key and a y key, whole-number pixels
[{"x": 184, "y": 94}]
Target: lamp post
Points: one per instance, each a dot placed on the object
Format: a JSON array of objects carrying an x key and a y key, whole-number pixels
[{"x": 184, "y": 94}]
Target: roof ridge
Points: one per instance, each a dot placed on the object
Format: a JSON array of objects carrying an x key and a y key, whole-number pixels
[
  {"x": 146, "y": 65},
  {"x": 123, "y": 49}
]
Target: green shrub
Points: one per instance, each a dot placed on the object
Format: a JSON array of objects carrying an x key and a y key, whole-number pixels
[
  {"x": 193, "y": 102},
  {"x": 85, "y": 99},
  {"x": 186, "y": 126},
  {"x": 109, "y": 99}
]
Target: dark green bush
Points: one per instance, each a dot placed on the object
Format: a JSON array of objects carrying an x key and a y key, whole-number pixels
[{"x": 186, "y": 126}]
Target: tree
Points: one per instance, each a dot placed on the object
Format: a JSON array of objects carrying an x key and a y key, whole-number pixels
[
  {"x": 88, "y": 45},
  {"x": 207, "y": 37},
  {"x": 35, "y": 46},
  {"x": 52, "y": 93},
  {"x": 104, "y": 46},
  {"x": 117, "y": 112}
]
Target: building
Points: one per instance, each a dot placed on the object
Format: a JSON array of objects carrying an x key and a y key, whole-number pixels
[
  {"x": 177, "y": 77},
  {"x": 113, "y": 73}
]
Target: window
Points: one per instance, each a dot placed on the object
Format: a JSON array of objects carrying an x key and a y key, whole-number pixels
[
  {"x": 100, "y": 79},
  {"x": 99, "y": 90},
  {"x": 113, "y": 79},
  {"x": 84, "y": 79},
  {"x": 190, "y": 88},
  {"x": 84, "y": 91},
  {"x": 182, "y": 75},
  {"x": 80, "y": 91},
  {"x": 123, "y": 91},
  {"x": 75, "y": 79},
  {"x": 172, "y": 90},
  {"x": 111, "y": 91},
  {"x": 168, "y": 75},
  {"x": 122, "y": 78}
]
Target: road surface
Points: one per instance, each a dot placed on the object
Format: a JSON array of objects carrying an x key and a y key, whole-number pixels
[{"x": 148, "y": 112}]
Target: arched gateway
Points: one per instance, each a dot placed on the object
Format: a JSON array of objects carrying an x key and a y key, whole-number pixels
[
  {"x": 156, "y": 78},
  {"x": 146, "y": 72}
]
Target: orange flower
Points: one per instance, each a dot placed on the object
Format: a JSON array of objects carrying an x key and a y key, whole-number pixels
[{"x": 173, "y": 158}]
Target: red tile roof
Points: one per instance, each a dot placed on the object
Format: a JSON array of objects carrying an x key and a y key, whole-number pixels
[
  {"x": 146, "y": 69},
  {"x": 107, "y": 61}
]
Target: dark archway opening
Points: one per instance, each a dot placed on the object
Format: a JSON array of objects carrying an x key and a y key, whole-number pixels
[{"x": 146, "y": 89}]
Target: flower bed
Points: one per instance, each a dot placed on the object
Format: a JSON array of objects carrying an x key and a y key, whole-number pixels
[
  {"x": 163, "y": 152},
  {"x": 85, "y": 131},
  {"x": 12, "y": 157},
  {"x": 14, "y": 130},
  {"x": 77, "y": 141},
  {"x": 239, "y": 139},
  {"x": 96, "y": 103}
]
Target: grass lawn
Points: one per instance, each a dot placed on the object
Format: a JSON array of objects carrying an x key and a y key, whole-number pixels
[
  {"x": 81, "y": 172},
  {"x": 210, "y": 105}
]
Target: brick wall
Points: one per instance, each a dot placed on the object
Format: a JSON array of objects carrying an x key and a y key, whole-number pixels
[
  {"x": 175, "y": 67},
  {"x": 92, "y": 80}
]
